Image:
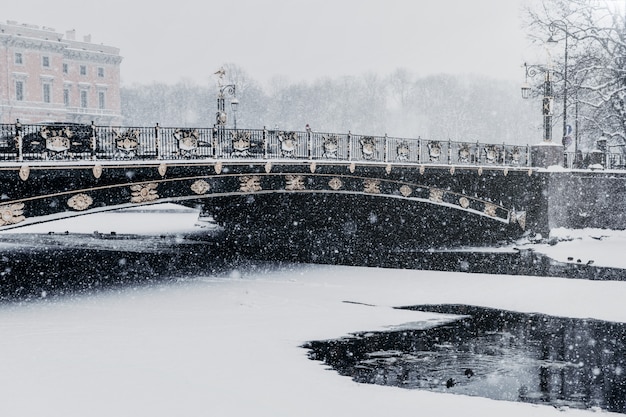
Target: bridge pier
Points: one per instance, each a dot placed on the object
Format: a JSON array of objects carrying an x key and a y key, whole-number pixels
[{"x": 546, "y": 154}]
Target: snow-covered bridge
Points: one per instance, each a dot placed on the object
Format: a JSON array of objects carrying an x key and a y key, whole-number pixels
[{"x": 269, "y": 184}]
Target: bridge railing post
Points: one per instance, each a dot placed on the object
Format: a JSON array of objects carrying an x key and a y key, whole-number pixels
[
  {"x": 19, "y": 139},
  {"x": 477, "y": 156},
  {"x": 94, "y": 143},
  {"x": 309, "y": 138},
  {"x": 214, "y": 141},
  {"x": 449, "y": 152},
  {"x": 349, "y": 146},
  {"x": 157, "y": 139},
  {"x": 386, "y": 151},
  {"x": 419, "y": 149}
]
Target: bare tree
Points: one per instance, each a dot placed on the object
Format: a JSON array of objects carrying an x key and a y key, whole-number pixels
[{"x": 595, "y": 33}]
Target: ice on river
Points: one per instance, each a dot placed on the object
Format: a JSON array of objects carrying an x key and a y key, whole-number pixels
[{"x": 229, "y": 344}]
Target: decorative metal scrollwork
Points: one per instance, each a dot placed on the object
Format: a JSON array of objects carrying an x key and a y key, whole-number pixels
[
  {"x": 288, "y": 144},
  {"x": 294, "y": 183},
  {"x": 490, "y": 209},
  {"x": 518, "y": 217},
  {"x": 406, "y": 191},
  {"x": 97, "y": 171},
  {"x": 242, "y": 144},
  {"x": 368, "y": 147},
  {"x": 331, "y": 146},
  {"x": 335, "y": 183},
  {"x": 436, "y": 195},
  {"x": 434, "y": 151},
  {"x": 464, "y": 153},
  {"x": 80, "y": 202},
  {"x": 142, "y": 193},
  {"x": 200, "y": 187},
  {"x": 371, "y": 186},
  {"x": 250, "y": 184},
  {"x": 57, "y": 140},
  {"x": 515, "y": 156},
  {"x": 11, "y": 214},
  {"x": 492, "y": 153},
  {"x": 24, "y": 172},
  {"x": 188, "y": 141},
  {"x": 403, "y": 151},
  {"x": 126, "y": 143}
]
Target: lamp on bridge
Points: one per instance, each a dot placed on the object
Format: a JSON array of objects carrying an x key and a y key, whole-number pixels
[
  {"x": 548, "y": 99},
  {"x": 543, "y": 156},
  {"x": 224, "y": 89},
  {"x": 559, "y": 24}
]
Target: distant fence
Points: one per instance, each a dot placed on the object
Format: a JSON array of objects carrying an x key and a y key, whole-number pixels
[
  {"x": 596, "y": 159},
  {"x": 71, "y": 142}
]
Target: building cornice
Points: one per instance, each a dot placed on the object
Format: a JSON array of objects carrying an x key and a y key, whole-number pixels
[
  {"x": 32, "y": 43},
  {"x": 71, "y": 50},
  {"x": 91, "y": 56}
]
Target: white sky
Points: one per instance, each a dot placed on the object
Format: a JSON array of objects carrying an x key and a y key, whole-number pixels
[{"x": 299, "y": 39}]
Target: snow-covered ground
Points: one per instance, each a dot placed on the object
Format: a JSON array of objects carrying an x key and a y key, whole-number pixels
[{"x": 229, "y": 345}]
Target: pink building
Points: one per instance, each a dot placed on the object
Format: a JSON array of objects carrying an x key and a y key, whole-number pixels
[{"x": 48, "y": 76}]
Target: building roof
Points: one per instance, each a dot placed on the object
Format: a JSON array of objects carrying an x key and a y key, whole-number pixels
[{"x": 28, "y": 33}]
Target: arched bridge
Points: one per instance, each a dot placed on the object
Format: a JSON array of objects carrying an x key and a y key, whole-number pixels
[{"x": 266, "y": 183}]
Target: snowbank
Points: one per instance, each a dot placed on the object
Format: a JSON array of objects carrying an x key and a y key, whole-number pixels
[
  {"x": 601, "y": 247},
  {"x": 230, "y": 345}
]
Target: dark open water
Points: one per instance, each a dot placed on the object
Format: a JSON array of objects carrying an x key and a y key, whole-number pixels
[
  {"x": 496, "y": 354},
  {"x": 35, "y": 264}
]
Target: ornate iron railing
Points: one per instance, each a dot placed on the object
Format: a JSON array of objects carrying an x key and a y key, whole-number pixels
[{"x": 70, "y": 142}]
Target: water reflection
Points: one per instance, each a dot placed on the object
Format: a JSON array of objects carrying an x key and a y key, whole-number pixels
[{"x": 495, "y": 354}]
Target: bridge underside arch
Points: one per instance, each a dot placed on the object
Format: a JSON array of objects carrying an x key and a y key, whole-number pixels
[
  {"x": 333, "y": 222},
  {"x": 282, "y": 204}
]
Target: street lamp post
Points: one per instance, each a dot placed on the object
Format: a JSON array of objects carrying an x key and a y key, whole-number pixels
[
  {"x": 559, "y": 24},
  {"x": 548, "y": 99},
  {"x": 548, "y": 153},
  {"x": 223, "y": 89},
  {"x": 221, "y": 117}
]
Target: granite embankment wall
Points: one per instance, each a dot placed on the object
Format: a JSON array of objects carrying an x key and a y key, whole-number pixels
[{"x": 586, "y": 198}]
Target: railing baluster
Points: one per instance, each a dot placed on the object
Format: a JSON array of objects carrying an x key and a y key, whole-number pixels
[
  {"x": 156, "y": 141},
  {"x": 18, "y": 138},
  {"x": 309, "y": 142},
  {"x": 386, "y": 152},
  {"x": 93, "y": 140}
]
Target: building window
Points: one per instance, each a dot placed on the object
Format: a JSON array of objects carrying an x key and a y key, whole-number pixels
[
  {"x": 101, "y": 72},
  {"x": 83, "y": 70},
  {"x": 45, "y": 61},
  {"x": 19, "y": 90},
  {"x": 101, "y": 100},
  {"x": 47, "y": 93},
  {"x": 66, "y": 97},
  {"x": 65, "y": 69},
  {"x": 18, "y": 58},
  {"x": 83, "y": 99}
]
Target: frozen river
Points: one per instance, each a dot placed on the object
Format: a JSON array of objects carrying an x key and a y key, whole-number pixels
[{"x": 227, "y": 342}]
